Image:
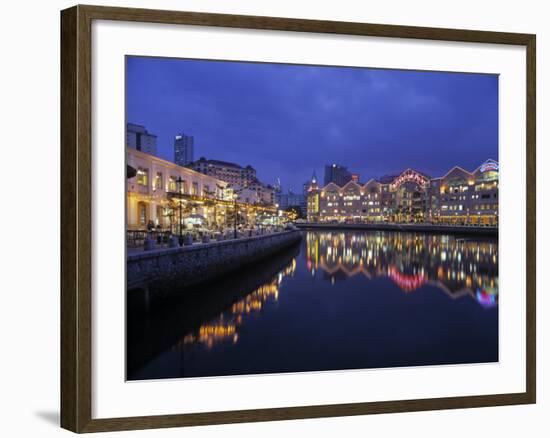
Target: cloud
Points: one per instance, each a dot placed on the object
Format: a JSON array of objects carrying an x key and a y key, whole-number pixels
[{"x": 289, "y": 120}]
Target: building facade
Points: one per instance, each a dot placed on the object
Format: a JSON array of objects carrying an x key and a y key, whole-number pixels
[
  {"x": 138, "y": 138},
  {"x": 164, "y": 195},
  {"x": 242, "y": 179},
  {"x": 184, "y": 149},
  {"x": 154, "y": 193},
  {"x": 226, "y": 171},
  {"x": 458, "y": 197},
  {"x": 265, "y": 193},
  {"x": 469, "y": 197}
]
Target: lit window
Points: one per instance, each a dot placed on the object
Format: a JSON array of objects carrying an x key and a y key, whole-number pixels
[
  {"x": 143, "y": 176},
  {"x": 158, "y": 181},
  {"x": 142, "y": 213},
  {"x": 172, "y": 184}
]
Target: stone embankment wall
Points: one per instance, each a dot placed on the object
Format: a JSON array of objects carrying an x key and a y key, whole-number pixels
[{"x": 203, "y": 262}]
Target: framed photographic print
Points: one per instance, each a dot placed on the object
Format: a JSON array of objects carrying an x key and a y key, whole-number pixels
[{"x": 270, "y": 218}]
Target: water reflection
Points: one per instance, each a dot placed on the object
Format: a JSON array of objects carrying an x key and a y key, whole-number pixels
[
  {"x": 457, "y": 266},
  {"x": 225, "y": 327},
  {"x": 339, "y": 300}
]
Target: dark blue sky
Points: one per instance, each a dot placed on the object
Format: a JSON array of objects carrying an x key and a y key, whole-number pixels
[{"x": 287, "y": 120}]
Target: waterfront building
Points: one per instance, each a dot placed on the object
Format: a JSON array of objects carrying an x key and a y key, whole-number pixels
[
  {"x": 313, "y": 195},
  {"x": 242, "y": 179},
  {"x": 184, "y": 148},
  {"x": 339, "y": 175},
  {"x": 138, "y": 138},
  {"x": 158, "y": 190},
  {"x": 458, "y": 197},
  {"x": 153, "y": 194},
  {"x": 466, "y": 197},
  {"x": 232, "y": 173},
  {"x": 256, "y": 192}
]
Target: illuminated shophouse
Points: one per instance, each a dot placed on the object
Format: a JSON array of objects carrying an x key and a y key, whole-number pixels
[
  {"x": 154, "y": 193},
  {"x": 458, "y": 197},
  {"x": 161, "y": 191},
  {"x": 469, "y": 198}
]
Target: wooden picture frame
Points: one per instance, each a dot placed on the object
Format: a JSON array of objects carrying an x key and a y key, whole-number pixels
[{"x": 76, "y": 218}]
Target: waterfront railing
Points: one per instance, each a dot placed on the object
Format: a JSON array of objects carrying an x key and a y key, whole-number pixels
[{"x": 154, "y": 239}]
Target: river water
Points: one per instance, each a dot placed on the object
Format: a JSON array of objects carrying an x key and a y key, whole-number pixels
[{"x": 338, "y": 300}]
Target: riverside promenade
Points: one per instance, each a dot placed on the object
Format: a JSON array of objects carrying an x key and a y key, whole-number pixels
[
  {"x": 409, "y": 228},
  {"x": 202, "y": 262}
]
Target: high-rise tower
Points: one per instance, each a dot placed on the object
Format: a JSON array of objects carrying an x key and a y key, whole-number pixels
[{"x": 184, "y": 148}]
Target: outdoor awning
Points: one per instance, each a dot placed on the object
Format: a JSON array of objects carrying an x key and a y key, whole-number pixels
[{"x": 130, "y": 171}]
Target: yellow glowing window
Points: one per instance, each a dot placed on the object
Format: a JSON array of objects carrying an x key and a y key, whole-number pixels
[
  {"x": 172, "y": 184},
  {"x": 142, "y": 214},
  {"x": 142, "y": 176},
  {"x": 158, "y": 181}
]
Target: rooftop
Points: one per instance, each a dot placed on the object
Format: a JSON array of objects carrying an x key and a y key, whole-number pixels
[{"x": 219, "y": 163}]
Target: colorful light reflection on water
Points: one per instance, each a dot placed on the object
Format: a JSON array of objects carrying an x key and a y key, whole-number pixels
[{"x": 344, "y": 300}]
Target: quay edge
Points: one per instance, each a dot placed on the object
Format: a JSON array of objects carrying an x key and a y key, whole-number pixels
[
  {"x": 204, "y": 262},
  {"x": 419, "y": 228}
]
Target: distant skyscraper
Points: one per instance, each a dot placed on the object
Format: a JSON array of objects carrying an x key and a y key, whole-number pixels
[
  {"x": 184, "y": 148},
  {"x": 337, "y": 174},
  {"x": 138, "y": 138}
]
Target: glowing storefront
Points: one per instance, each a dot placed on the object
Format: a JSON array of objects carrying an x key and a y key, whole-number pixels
[
  {"x": 153, "y": 194},
  {"x": 458, "y": 197},
  {"x": 160, "y": 189},
  {"x": 469, "y": 197}
]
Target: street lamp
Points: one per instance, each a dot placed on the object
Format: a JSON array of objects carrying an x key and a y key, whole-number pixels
[
  {"x": 235, "y": 212},
  {"x": 179, "y": 183},
  {"x": 236, "y": 193},
  {"x": 169, "y": 213}
]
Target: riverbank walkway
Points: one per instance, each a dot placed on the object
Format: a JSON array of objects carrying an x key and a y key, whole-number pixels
[
  {"x": 163, "y": 240},
  {"x": 419, "y": 228}
]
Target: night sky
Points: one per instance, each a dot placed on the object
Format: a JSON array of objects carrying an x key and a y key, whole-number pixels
[{"x": 288, "y": 120}]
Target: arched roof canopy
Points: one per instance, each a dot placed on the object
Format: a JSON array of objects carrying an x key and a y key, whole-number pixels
[
  {"x": 372, "y": 186},
  {"x": 351, "y": 185},
  {"x": 410, "y": 175},
  {"x": 372, "y": 183},
  {"x": 331, "y": 187},
  {"x": 457, "y": 173},
  {"x": 488, "y": 171}
]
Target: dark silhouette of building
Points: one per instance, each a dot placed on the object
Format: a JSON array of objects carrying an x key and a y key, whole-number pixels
[
  {"x": 337, "y": 174},
  {"x": 184, "y": 148},
  {"x": 137, "y": 137}
]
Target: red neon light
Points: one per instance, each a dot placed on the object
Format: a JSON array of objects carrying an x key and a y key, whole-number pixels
[
  {"x": 488, "y": 166},
  {"x": 406, "y": 282},
  {"x": 410, "y": 176}
]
